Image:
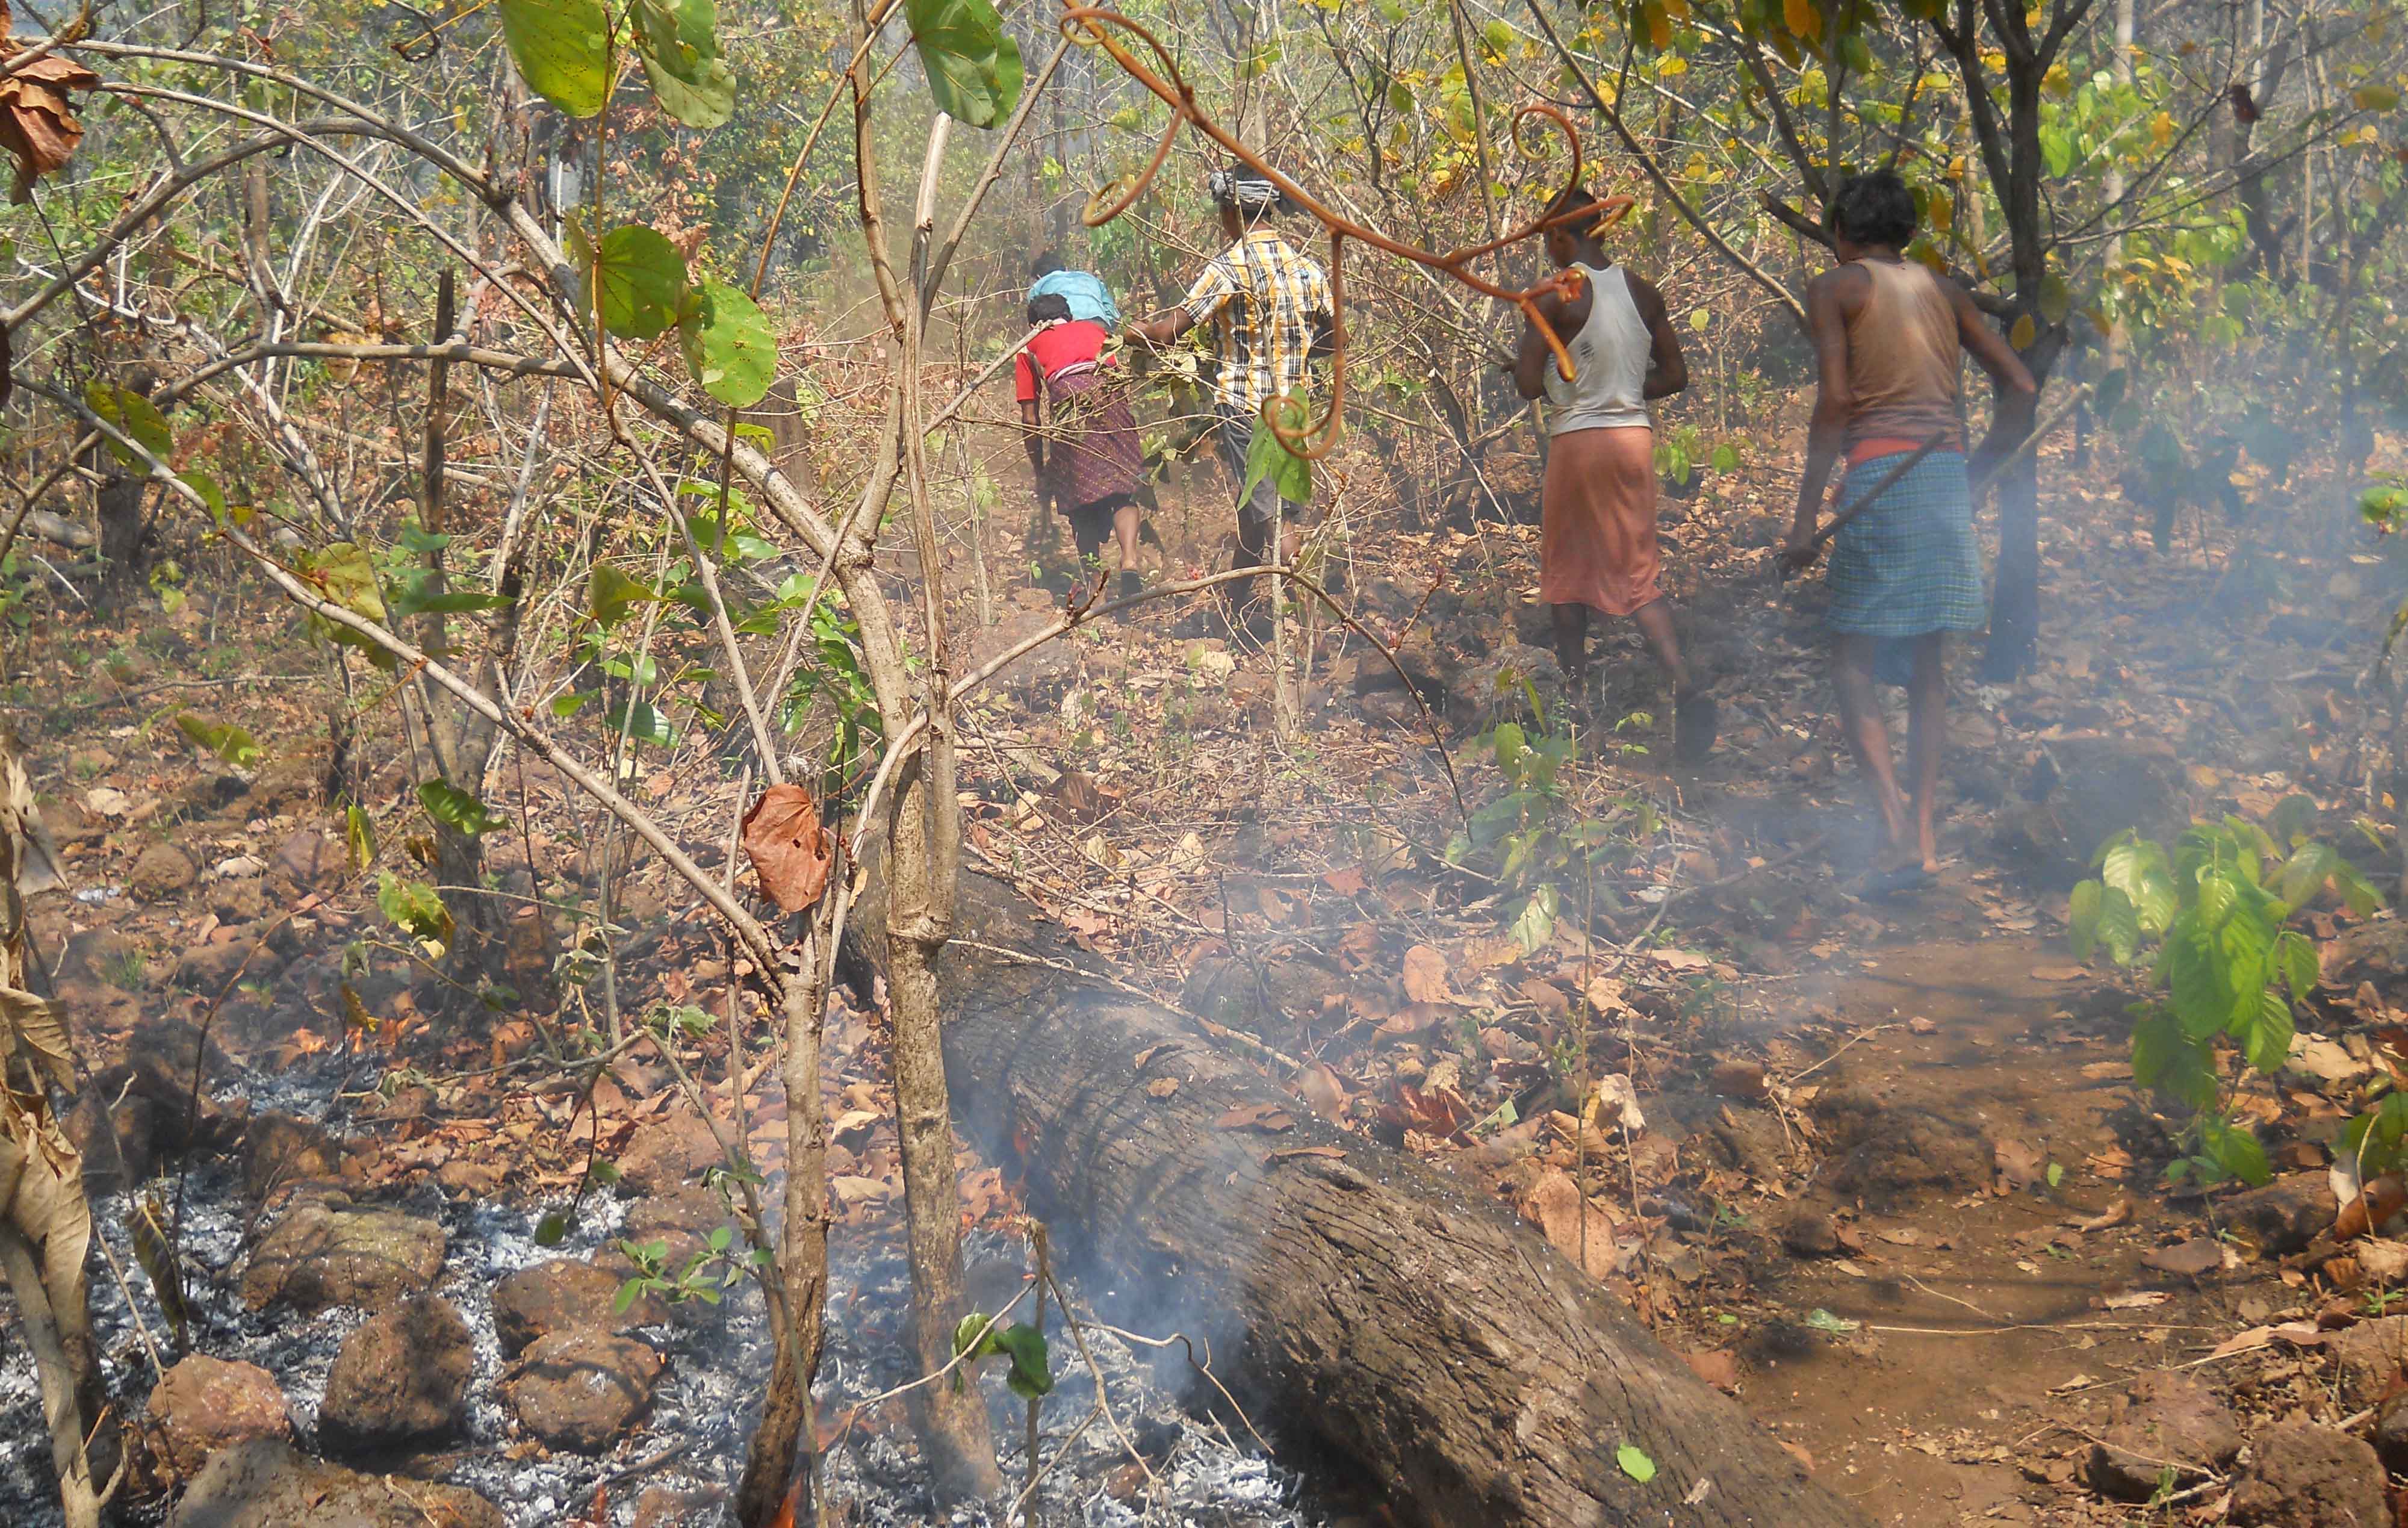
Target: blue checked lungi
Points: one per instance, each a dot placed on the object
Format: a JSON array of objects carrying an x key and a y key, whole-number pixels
[{"x": 1909, "y": 565}]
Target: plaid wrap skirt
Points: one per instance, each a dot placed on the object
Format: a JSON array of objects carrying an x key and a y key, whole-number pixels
[
  {"x": 1909, "y": 565},
  {"x": 1096, "y": 454}
]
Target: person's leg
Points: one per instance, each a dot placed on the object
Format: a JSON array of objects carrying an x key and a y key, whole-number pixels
[
  {"x": 1926, "y": 740},
  {"x": 1571, "y": 644},
  {"x": 1125, "y": 518},
  {"x": 1868, "y": 734},
  {"x": 1655, "y": 622}
]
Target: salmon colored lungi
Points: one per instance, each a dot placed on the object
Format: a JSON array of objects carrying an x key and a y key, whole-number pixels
[{"x": 1596, "y": 523}]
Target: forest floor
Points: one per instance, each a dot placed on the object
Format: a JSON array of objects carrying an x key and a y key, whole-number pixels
[{"x": 1893, "y": 1188}]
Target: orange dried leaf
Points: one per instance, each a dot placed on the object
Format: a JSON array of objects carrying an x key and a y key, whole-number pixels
[
  {"x": 37, "y": 119},
  {"x": 789, "y": 849}
]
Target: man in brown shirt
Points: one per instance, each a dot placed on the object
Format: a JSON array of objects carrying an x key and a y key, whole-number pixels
[{"x": 1890, "y": 337}]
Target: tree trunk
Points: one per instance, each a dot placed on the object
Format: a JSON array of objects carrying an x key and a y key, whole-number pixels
[{"x": 1364, "y": 1301}]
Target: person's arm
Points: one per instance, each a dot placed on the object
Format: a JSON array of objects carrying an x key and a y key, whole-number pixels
[
  {"x": 1163, "y": 328},
  {"x": 1668, "y": 370},
  {"x": 2018, "y": 392},
  {"x": 1532, "y": 357},
  {"x": 1826, "y": 321}
]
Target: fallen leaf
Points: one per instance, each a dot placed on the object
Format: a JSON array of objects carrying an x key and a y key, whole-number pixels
[
  {"x": 1150, "y": 1052},
  {"x": 1613, "y": 1100},
  {"x": 1739, "y": 1079},
  {"x": 852, "y": 1122},
  {"x": 1546, "y": 997},
  {"x": 1346, "y": 883},
  {"x": 2138, "y": 1300},
  {"x": 1162, "y": 1087},
  {"x": 1269, "y": 1117},
  {"x": 1573, "y": 1226},
  {"x": 2380, "y": 1200},
  {"x": 1919, "y": 1025},
  {"x": 851, "y": 1189},
  {"x": 2080, "y": 1381},
  {"x": 1717, "y": 1367},
  {"x": 2019, "y": 1165},
  {"x": 2191, "y": 1258},
  {"x": 2118, "y": 1214},
  {"x": 108, "y": 801},
  {"x": 789, "y": 849},
  {"x": 1823, "y": 1321},
  {"x": 2057, "y": 974},
  {"x": 1333, "y": 1153},
  {"x": 1319, "y": 1087},
  {"x": 1424, "y": 976},
  {"x": 37, "y": 119},
  {"x": 1635, "y": 1464}
]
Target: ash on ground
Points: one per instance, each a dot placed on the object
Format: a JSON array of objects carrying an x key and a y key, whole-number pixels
[{"x": 1152, "y": 1462}]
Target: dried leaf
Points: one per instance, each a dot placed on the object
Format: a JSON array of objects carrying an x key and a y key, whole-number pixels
[
  {"x": 37, "y": 119},
  {"x": 789, "y": 849},
  {"x": 1333, "y": 1153},
  {"x": 1424, "y": 976},
  {"x": 1319, "y": 1087},
  {"x": 2382, "y": 1198},
  {"x": 1269, "y": 1117},
  {"x": 2138, "y": 1300},
  {"x": 1613, "y": 1100},
  {"x": 1162, "y": 1087},
  {"x": 41, "y": 1026},
  {"x": 2019, "y": 1165},
  {"x": 2118, "y": 1214},
  {"x": 147, "y": 1222},
  {"x": 1572, "y": 1225},
  {"x": 1150, "y": 1052},
  {"x": 2191, "y": 1258}
]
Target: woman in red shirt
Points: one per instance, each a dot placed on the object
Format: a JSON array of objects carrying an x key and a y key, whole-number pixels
[{"x": 1070, "y": 396}]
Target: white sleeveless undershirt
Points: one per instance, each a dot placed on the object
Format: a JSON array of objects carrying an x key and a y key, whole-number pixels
[{"x": 1608, "y": 362}]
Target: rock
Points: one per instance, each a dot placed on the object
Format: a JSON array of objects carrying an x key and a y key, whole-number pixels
[
  {"x": 169, "y": 1063},
  {"x": 208, "y": 968},
  {"x": 1043, "y": 668},
  {"x": 563, "y": 1295},
  {"x": 1810, "y": 1234},
  {"x": 160, "y": 873},
  {"x": 117, "y": 1145},
  {"x": 238, "y": 901},
  {"x": 2367, "y": 1357},
  {"x": 2084, "y": 790},
  {"x": 317, "y": 1256},
  {"x": 2308, "y": 1477},
  {"x": 282, "y": 1148},
  {"x": 204, "y": 1405},
  {"x": 2391, "y": 1433},
  {"x": 1885, "y": 1154},
  {"x": 307, "y": 860},
  {"x": 582, "y": 1389},
  {"x": 399, "y": 1379},
  {"x": 2285, "y": 1215},
  {"x": 668, "y": 1153},
  {"x": 265, "y": 1484},
  {"x": 660, "y": 1506},
  {"x": 2164, "y": 1419}
]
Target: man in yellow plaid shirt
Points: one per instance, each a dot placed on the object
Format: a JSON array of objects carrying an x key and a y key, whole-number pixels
[{"x": 1271, "y": 315}]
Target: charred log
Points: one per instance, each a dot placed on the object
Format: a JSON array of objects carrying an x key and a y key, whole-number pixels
[{"x": 1370, "y": 1306}]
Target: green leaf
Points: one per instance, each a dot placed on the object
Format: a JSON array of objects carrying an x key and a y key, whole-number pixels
[
  {"x": 1535, "y": 923},
  {"x": 728, "y": 346},
  {"x": 134, "y": 417},
  {"x": 678, "y": 43},
  {"x": 2056, "y": 1174},
  {"x": 2236, "y": 1151},
  {"x": 207, "y": 487},
  {"x": 721, "y": 1237},
  {"x": 1823, "y": 1321},
  {"x": 642, "y": 723},
  {"x": 973, "y": 1339},
  {"x": 359, "y": 835},
  {"x": 2082, "y": 917},
  {"x": 449, "y": 805},
  {"x": 2269, "y": 1036},
  {"x": 414, "y": 907},
  {"x": 2374, "y": 98},
  {"x": 561, "y": 48},
  {"x": 1032, "y": 1373},
  {"x": 225, "y": 740},
  {"x": 553, "y": 1229},
  {"x": 629, "y": 1293},
  {"x": 1725, "y": 458},
  {"x": 611, "y": 594},
  {"x": 973, "y": 67},
  {"x": 640, "y": 277},
  {"x": 1635, "y": 1464},
  {"x": 1268, "y": 456}
]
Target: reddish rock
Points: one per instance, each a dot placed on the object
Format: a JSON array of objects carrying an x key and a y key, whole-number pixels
[
  {"x": 564, "y": 1295},
  {"x": 265, "y": 1484},
  {"x": 279, "y": 1149},
  {"x": 161, "y": 873},
  {"x": 204, "y": 1405},
  {"x": 2163, "y": 1419},
  {"x": 668, "y": 1153},
  {"x": 319, "y": 1256},
  {"x": 306, "y": 862},
  {"x": 2368, "y": 1358},
  {"x": 582, "y": 1389},
  {"x": 2308, "y": 1477},
  {"x": 400, "y": 1380}
]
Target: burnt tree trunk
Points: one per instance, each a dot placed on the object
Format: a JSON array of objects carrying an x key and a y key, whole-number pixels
[{"x": 1363, "y": 1300}]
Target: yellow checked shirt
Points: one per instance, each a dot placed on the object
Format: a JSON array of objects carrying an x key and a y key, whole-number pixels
[{"x": 1265, "y": 300}]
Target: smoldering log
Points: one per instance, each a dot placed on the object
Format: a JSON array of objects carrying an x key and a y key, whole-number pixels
[{"x": 1376, "y": 1307}]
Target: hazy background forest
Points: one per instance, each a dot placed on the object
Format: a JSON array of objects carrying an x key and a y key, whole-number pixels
[{"x": 607, "y": 926}]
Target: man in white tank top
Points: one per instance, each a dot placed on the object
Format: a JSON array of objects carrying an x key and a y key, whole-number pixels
[{"x": 1596, "y": 539}]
